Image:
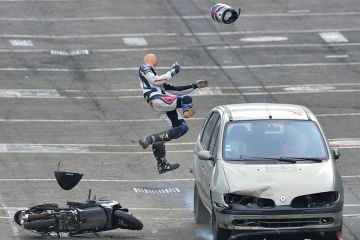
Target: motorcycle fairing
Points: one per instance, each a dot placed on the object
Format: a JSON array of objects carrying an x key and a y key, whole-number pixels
[{"x": 67, "y": 180}]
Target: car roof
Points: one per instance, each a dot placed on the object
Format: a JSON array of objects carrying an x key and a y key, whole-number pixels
[{"x": 258, "y": 111}]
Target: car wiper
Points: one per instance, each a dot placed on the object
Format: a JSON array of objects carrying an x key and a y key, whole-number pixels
[
  {"x": 315, "y": 159},
  {"x": 279, "y": 159}
]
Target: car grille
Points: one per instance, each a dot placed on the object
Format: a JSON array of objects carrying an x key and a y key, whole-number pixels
[{"x": 282, "y": 223}]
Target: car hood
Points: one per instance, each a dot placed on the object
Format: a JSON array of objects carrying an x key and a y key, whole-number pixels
[{"x": 279, "y": 181}]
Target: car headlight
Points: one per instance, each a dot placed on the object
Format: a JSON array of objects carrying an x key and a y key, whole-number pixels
[
  {"x": 249, "y": 201},
  {"x": 325, "y": 199}
]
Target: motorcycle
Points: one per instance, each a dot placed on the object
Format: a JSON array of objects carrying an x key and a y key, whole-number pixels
[{"x": 96, "y": 215}]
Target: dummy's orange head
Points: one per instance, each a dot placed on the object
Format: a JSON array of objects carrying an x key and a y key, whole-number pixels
[{"x": 151, "y": 59}]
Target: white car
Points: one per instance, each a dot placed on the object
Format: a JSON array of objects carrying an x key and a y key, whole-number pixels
[{"x": 266, "y": 167}]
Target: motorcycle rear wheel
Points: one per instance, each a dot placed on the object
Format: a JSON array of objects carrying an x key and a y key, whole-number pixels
[
  {"x": 126, "y": 221},
  {"x": 38, "y": 225}
]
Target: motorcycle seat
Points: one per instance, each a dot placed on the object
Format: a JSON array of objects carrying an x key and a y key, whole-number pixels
[{"x": 81, "y": 205}]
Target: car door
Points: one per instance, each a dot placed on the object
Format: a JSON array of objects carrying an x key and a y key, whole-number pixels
[{"x": 207, "y": 143}]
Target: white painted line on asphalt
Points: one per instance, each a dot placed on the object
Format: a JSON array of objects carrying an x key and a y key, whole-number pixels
[
  {"x": 350, "y": 143},
  {"x": 135, "y": 41},
  {"x": 192, "y": 47},
  {"x": 337, "y": 114},
  {"x": 7, "y": 50},
  {"x": 192, "y": 219},
  {"x": 333, "y": 37},
  {"x": 341, "y": 143},
  {"x": 300, "y": 11},
  {"x": 310, "y": 88},
  {"x": 70, "y": 53},
  {"x": 99, "y": 180},
  {"x": 150, "y": 208},
  {"x": 290, "y": 65},
  {"x": 351, "y": 205},
  {"x": 204, "y": 91},
  {"x": 32, "y": 148},
  {"x": 264, "y": 39},
  {"x": 39, "y": 0},
  {"x": 140, "y": 120},
  {"x": 351, "y": 215},
  {"x": 116, "y": 180},
  {"x": 304, "y": 13},
  {"x": 11, "y": 208},
  {"x": 21, "y": 43},
  {"x": 35, "y": 93},
  {"x": 353, "y": 176},
  {"x": 337, "y": 56},
  {"x": 355, "y": 84},
  {"x": 159, "y": 209},
  {"x": 207, "y": 91},
  {"x": 168, "y": 218},
  {"x": 285, "y": 65},
  {"x": 290, "y": 13},
  {"x": 304, "y": 45},
  {"x": 94, "y": 152},
  {"x": 307, "y": 91},
  {"x": 159, "y": 34},
  {"x": 90, "y": 121}
]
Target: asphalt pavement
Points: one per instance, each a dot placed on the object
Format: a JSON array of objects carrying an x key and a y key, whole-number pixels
[{"x": 69, "y": 93}]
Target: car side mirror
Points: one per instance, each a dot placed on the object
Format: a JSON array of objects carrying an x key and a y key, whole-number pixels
[
  {"x": 205, "y": 155},
  {"x": 336, "y": 153}
]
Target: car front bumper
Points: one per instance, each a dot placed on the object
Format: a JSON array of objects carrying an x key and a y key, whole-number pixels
[{"x": 285, "y": 219}]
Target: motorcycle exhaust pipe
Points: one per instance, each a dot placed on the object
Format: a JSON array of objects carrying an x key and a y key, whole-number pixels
[{"x": 34, "y": 216}]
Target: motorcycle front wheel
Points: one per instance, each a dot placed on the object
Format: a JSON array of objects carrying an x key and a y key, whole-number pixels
[{"x": 126, "y": 221}]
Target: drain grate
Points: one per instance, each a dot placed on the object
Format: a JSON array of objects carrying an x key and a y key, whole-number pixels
[{"x": 156, "y": 190}]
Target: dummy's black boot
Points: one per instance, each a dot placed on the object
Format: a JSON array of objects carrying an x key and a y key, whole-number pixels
[
  {"x": 159, "y": 153},
  {"x": 165, "y": 166},
  {"x": 145, "y": 142}
]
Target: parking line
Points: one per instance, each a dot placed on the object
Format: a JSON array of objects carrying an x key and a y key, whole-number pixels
[
  {"x": 285, "y": 65},
  {"x": 192, "y": 219},
  {"x": 333, "y": 37},
  {"x": 337, "y": 56},
  {"x": 93, "y": 149},
  {"x": 293, "y": 13},
  {"x": 162, "y": 34},
  {"x": 100, "y": 180},
  {"x": 140, "y": 120},
  {"x": 182, "y": 48},
  {"x": 153, "y": 209}
]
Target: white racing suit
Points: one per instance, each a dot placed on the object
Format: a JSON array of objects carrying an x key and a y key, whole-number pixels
[{"x": 165, "y": 98}]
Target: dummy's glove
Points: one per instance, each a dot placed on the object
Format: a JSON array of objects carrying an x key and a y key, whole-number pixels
[
  {"x": 201, "y": 84},
  {"x": 175, "y": 69}
]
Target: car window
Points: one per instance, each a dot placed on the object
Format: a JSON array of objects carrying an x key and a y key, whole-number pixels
[
  {"x": 273, "y": 139},
  {"x": 214, "y": 139},
  {"x": 209, "y": 129}
]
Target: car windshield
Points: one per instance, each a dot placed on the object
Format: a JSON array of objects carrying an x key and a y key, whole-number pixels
[{"x": 273, "y": 140}]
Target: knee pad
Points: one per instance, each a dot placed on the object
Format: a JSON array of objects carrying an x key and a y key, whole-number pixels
[
  {"x": 187, "y": 100},
  {"x": 186, "y": 103}
]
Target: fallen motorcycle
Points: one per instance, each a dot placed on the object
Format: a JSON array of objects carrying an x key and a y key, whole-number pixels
[{"x": 96, "y": 215}]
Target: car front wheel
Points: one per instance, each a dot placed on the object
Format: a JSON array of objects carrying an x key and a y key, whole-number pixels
[{"x": 201, "y": 214}]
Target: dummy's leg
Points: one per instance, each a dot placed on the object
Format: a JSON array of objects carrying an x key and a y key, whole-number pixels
[
  {"x": 165, "y": 136},
  {"x": 178, "y": 129}
]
